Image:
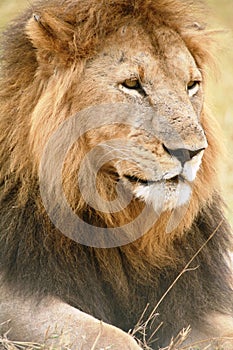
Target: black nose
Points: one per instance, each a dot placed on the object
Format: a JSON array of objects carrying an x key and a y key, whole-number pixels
[{"x": 182, "y": 154}]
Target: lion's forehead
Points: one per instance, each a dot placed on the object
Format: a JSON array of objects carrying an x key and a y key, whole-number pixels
[{"x": 163, "y": 56}]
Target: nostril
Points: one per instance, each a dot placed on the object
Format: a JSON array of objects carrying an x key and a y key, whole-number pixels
[
  {"x": 182, "y": 154},
  {"x": 196, "y": 152}
]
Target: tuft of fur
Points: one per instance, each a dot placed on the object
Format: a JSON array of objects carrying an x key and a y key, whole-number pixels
[{"x": 116, "y": 284}]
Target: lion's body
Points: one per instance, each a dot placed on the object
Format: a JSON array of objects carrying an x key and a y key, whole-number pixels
[{"x": 72, "y": 55}]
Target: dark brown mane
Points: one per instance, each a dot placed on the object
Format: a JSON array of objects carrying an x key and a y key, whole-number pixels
[{"x": 34, "y": 256}]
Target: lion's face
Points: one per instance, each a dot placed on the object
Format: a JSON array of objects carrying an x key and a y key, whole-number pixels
[
  {"x": 152, "y": 138},
  {"x": 165, "y": 142}
]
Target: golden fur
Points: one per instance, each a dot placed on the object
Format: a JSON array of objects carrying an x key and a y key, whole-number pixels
[{"x": 55, "y": 54}]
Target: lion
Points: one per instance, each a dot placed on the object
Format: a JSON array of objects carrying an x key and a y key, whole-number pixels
[{"x": 112, "y": 221}]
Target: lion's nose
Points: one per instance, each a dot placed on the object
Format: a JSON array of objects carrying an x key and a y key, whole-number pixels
[{"x": 183, "y": 154}]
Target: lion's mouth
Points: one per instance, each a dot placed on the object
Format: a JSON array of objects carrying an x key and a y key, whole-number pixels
[
  {"x": 137, "y": 180},
  {"x": 165, "y": 193}
]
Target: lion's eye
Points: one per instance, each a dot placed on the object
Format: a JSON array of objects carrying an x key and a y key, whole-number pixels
[
  {"x": 132, "y": 87},
  {"x": 132, "y": 84},
  {"x": 193, "y": 88}
]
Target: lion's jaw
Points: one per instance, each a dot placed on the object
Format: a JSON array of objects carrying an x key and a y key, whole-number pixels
[{"x": 173, "y": 190}]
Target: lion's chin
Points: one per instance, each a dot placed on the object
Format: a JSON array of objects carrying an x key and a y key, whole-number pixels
[{"x": 164, "y": 196}]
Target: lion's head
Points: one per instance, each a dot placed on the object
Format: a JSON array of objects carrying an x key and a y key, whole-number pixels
[{"x": 129, "y": 80}]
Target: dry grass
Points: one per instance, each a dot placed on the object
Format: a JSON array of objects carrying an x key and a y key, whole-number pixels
[
  {"x": 175, "y": 344},
  {"x": 6, "y": 344}
]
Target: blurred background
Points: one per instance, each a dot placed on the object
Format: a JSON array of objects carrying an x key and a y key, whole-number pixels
[{"x": 220, "y": 90}]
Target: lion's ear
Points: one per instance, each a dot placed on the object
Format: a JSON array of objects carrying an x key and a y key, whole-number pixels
[{"x": 51, "y": 36}]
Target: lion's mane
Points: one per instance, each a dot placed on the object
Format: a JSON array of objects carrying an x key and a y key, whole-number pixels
[{"x": 34, "y": 256}]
